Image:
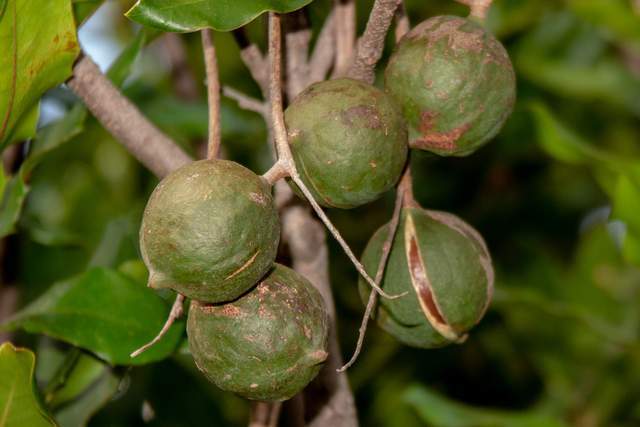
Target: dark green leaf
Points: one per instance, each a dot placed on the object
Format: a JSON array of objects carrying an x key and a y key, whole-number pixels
[
  {"x": 439, "y": 411},
  {"x": 39, "y": 47},
  {"x": 221, "y": 15},
  {"x": 102, "y": 311},
  {"x": 19, "y": 404}
]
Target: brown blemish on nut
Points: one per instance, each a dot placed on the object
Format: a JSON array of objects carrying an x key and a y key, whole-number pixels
[
  {"x": 365, "y": 113},
  {"x": 258, "y": 198},
  {"x": 441, "y": 140}
]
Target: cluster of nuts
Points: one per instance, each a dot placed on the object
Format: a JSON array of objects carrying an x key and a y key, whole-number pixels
[{"x": 211, "y": 229}]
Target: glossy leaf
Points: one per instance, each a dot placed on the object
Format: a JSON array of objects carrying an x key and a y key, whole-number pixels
[
  {"x": 11, "y": 201},
  {"x": 39, "y": 47},
  {"x": 19, "y": 404},
  {"x": 438, "y": 411},
  {"x": 221, "y": 15},
  {"x": 104, "y": 312}
]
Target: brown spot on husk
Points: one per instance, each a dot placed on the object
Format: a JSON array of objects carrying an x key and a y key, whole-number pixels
[
  {"x": 258, "y": 198},
  {"x": 362, "y": 113},
  {"x": 441, "y": 140}
]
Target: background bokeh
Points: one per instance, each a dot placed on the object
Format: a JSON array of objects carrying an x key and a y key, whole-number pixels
[{"x": 556, "y": 195}]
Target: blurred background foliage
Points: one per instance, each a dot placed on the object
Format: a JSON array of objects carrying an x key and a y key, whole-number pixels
[{"x": 556, "y": 195}]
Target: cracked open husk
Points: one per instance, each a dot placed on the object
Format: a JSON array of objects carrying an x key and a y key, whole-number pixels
[
  {"x": 266, "y": 345},
  {"x": 210, "y": 231},
  {"x": 445, "y": 265}
]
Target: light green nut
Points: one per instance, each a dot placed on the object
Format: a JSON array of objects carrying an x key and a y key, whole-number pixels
[
  {"x": 268, "y": 344},
  {"x": 455, "y": 84},
  {"x": 210, "y": 231},
  {"x": 348, "y": 140}
]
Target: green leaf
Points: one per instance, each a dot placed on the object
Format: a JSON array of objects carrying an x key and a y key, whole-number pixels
[
  {"x": 439, "y": 411},
  {"x": 83, "y": 9},
  {"x": 121, "y": 67},
  {"x": 11, "y": 203},
  {"x": 102, "y": 311},
  {"x": 221, "y": 15},
  {"x": 19, "y": 404},
  {"x": 39, "y": 47},
  {"x": 25, "y": 127}
]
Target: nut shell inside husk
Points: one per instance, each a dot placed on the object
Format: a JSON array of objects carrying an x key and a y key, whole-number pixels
[
  {"x": 210, "y": 231},
  {"x": 268, "y": 344},
  {"x": 444, "y": 265}
]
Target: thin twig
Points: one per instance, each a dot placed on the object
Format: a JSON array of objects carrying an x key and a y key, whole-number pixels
[
  {"x": 345, "y": 35},
  {"x": 174, "y": 314},
  {"x": 257, "y": 66},
  {"x": 213, "y": 93},
  {"x": 322, "y": 57},
  {"x": 479, "y": 8},
  {"x": 247, "y": 102},
  {"x": 371, "y": 44},
  {"x": 276, "y": 173},
  {"x": 382, "y": 265},
  {"x": 124, "y": 121},
  {"x": 284, "y": 152}
]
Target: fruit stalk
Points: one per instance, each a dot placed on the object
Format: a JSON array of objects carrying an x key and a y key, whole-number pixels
[{"x": 213, "y": 93}]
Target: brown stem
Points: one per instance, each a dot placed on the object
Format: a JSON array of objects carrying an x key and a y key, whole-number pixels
[
  {"x": 276, "y": 173},
  {"x": 382, "y": 264},
  {"x": 213, "y": 93},
  {"x": 345, "y": 35},
  {"x": 402, "y": 22},
  {"x": 258, "y": 66},
  {"x": 124, "y": 121},
  {"x": 264, "y": 414},
  {"x": 247, "y": 102},
  {"x": 371, "y": 44},
  {"x": 175, "y": 313},
  {"x": 479, "y": 8}
]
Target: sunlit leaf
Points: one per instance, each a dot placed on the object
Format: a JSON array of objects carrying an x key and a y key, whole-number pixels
[
  {"x": 19, "y": 404},
  {"x": 38, "y": 39},
  {"x": 104, "y": 312},
  {"x": 221, "y": 15}
]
